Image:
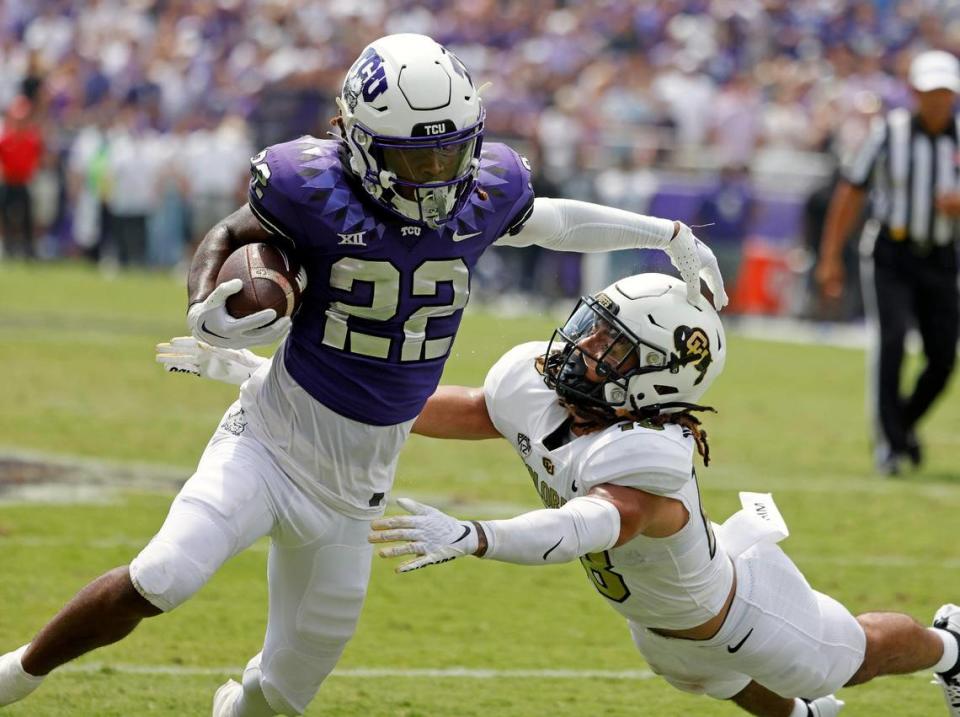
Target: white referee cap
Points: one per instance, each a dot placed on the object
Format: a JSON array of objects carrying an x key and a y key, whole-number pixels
[{"x": 935, "y": 70}]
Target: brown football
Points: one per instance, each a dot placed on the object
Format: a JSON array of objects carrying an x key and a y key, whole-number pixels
[{"x": 272, "y": 279}]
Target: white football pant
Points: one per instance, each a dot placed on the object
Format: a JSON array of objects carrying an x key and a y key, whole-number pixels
[
  {"x": 779, "y": 632},
  {"x": 318, "y": 565}
]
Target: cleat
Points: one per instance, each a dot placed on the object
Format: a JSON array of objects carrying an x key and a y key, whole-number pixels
[
  {"x": 948, "y": 618},
  {"x": 226, "y": 698},
  {"x": 828, "y": 706},
  {"x": 914, "y": 451}
]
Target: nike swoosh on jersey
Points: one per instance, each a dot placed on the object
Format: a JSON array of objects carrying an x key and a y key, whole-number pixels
[
  {"x": 736, "y": 647},
  {"x": 552, "y": 549},
  {"x": 461, "y": 237}
]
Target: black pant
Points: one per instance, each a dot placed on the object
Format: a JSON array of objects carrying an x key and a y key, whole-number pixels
[
  {"x": 127, "y": 236},
  {"x": 16, "y": 221},
  {"x": 904, "y": 284}
]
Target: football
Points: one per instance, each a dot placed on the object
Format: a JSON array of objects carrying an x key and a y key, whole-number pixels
[{"x": 272, "y": 279}]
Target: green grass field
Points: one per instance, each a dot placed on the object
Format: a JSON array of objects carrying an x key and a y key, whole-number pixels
[{"x": 79, "y": 382}]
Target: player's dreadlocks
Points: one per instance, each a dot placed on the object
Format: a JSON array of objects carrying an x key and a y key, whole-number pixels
[
  {"x": 687, "y": 420},
  {"x": 592, "y": 418}
]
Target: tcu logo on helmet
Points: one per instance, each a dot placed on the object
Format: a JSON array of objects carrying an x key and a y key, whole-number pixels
[
  {"x": 367, "y": 76},
  {"x": 693, "y": 347}
]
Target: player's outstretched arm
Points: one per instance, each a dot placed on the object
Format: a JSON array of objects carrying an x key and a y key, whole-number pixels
[
  {"x": 608, "y": 516},
  {"x": 456, "y": 412},
  {"x": 184, "y": 354},
  {"x": 570, "y": 225},
  {"x": 207, "y": 315}
]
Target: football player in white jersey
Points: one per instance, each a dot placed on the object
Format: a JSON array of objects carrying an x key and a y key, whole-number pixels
[{"x": 603, "y": 418}]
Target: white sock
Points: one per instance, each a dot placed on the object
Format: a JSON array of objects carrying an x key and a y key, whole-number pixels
[
  {"x": 951, "y": 650},
  {"x": 799, "y": 709},
  {"x": 15, "y": 682}
]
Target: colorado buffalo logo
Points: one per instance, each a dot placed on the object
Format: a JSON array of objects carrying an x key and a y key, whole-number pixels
[{"x": 693, "y": 347}]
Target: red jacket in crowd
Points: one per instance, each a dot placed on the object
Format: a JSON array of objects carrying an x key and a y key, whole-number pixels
[{"x": 20, "y": 151}]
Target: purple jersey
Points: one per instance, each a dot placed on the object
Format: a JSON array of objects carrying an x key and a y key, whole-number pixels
[{"x": 384, "y": 296}]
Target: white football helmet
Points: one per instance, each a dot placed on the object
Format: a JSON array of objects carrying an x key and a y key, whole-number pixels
[
  {"x": 413, "y": 126},
  {"x": 637, "y": 348}
]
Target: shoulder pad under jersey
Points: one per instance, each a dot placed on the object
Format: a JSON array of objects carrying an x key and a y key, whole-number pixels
[
  {"x": 303, "y": 183},
  {"x": 504, "y": 180},
  {"x": 508, "y": 376},
  {"x": 656, "y": 460}
]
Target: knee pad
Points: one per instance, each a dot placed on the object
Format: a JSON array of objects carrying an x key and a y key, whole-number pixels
[
  {"x": 183, "y": 556},
  {"x": 164, "y": 576}
]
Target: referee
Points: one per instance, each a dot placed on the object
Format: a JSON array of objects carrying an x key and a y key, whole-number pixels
[{"x": 909, "y": 166}]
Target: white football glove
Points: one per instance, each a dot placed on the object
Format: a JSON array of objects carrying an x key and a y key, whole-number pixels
[
  {"x": 184, "y": 354},
  {"x": 828, "y": 706},
  {"x": 209, "y": 321},
  {"x": 431, "y": 533},
  {"x": 693, "y": 258}
]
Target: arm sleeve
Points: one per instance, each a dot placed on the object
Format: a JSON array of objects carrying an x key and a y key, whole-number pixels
[
  {"x": 570, "y": 225},
  {"x": 859, "y": 169},
  {"x": 541, "y": 537}
]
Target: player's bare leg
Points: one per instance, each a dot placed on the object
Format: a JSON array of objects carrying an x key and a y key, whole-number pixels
[
  {"x": 897, "y": 644},
  {"x": 104, "y": 612},
  {"x": 758, "y": 700}
]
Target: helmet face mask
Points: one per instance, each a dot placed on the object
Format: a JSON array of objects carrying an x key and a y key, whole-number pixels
[
  {"x": 413, "y": 128},
  {"x": 636, "y": 349},
  {"x": 593, "y": 339}
]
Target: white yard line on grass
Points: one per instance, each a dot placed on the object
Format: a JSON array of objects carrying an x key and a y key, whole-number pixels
[
  {"x": 428, "y": 673},
  {"x": 458, "y": 673}
]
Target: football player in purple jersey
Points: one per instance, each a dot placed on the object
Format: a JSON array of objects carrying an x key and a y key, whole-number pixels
[{"x": 388, "y": 219}]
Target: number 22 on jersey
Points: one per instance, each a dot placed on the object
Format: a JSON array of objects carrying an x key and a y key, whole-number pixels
[{"x": 385, "y": 302}]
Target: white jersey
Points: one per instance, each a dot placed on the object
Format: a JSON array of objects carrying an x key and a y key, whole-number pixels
[{"x": 672, "y": 583}]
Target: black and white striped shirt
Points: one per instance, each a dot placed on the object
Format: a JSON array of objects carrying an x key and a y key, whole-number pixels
[{"x": 906, "y": 168}]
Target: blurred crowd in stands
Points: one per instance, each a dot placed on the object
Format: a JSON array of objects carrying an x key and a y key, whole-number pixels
[{"x": 128, "y": 124}]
